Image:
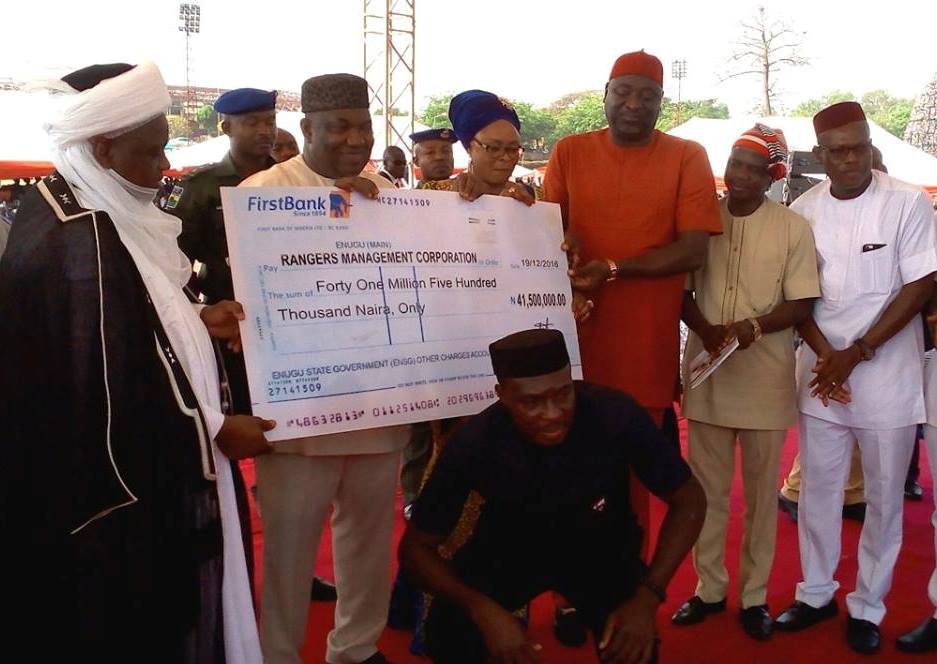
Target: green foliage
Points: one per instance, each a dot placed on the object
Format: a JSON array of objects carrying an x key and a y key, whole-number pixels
[
  {"x": 585, "y": 113},
  {"x": 673, "y": 113},
  {"x": 810, "y": 107},
  {"x": 537, "y": 124},
  {"x": 178, "y": 126},
  {"x": 436, "y": 113},
  {"x": 890, "y": 113},
  {"x": 207, "y": 119},
  {"x": 574, "y": 113}
]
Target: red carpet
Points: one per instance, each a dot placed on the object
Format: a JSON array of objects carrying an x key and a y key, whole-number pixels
[{"x": 720, "y": 638}]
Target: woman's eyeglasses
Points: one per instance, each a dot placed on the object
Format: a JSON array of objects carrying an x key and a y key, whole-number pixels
[{"x": 496, "y": 151}]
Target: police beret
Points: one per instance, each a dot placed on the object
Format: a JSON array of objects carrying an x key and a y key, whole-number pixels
[
  {"x": 444, "y": 134},
  {"x": 473, "y": 110},
  {"x": 246, "y": 100},
  {"x": 528, "y": 353}
]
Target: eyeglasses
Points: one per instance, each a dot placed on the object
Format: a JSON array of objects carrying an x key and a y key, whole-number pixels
[
  {"x": 843, "y": 151},
  {"x": 495, "y": 151}
]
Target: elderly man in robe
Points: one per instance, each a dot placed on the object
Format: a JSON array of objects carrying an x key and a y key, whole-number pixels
[{"x": 116, "y": 470}]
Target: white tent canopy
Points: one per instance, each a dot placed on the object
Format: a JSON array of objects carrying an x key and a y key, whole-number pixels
[{"x": 903, "y": 160}]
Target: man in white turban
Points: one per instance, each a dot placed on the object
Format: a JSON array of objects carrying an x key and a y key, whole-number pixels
[{"x": 117, "y": 494}]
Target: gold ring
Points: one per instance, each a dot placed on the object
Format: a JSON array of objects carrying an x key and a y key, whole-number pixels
[{"x": 590, "y": 303}]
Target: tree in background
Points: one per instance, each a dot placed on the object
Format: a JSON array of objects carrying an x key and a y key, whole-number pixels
[
  {"x": 577, "y": 113},
  {"x": 889, "y": 112},
  {"x": 810, "y": 107},
  {"x": 178, "y": 126},
  {"x": 207, "y": 120},
  {"x": 537, "y": 125},
  {"x": 574, "y": 113},
  {"x": 673, "y": 113},
  {"x": 436, "y": 113},
  {"x": 764, "y": 47}
]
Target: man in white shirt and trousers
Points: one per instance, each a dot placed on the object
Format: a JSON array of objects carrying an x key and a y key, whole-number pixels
[{"x": 859, "y": 372}]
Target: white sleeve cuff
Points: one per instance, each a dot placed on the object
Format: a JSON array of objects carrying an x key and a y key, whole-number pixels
[
  {"x": 917, "y": 266},
  {"x": 214, "y": 419}
]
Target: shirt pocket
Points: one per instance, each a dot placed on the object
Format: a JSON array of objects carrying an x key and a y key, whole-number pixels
[{"x": 876, "y": 270}]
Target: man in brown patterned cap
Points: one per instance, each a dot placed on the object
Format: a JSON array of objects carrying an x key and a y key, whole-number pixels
[{"x": 353, "y": 473}]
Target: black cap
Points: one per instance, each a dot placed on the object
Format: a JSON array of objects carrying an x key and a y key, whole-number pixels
[
  {"x": 88, "y": 77},
  {"x": 528, "y": 353}
]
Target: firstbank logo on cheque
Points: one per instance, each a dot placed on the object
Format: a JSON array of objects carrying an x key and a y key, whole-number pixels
[{"x": 337, "y": 205}]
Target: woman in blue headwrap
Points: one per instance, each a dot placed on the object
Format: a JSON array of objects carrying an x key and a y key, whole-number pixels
[{"x": 489, "y": 130}]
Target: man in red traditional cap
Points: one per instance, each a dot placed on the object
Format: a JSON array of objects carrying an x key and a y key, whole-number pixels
[
  {"x": 641, "y": 205},
  {"x": 859, "y": 370},
  {"x": 759, "y": 281}
]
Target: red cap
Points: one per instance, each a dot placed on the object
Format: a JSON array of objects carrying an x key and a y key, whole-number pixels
[
  {"x": 639, "y": 63},
  {"x": 837, "y": 115}
]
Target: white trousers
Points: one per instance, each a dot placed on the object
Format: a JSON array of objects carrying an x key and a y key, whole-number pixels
[
  {"x": 825, "y": 451},
  {"x": 930, "y": 433},
  {"x": 295, "y": 493}
]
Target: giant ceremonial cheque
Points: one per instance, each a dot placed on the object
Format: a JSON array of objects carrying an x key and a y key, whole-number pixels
[{"x": 367, "y": 313}]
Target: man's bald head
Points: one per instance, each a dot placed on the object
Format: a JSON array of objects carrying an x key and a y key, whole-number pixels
[{"x": 395, "y": 161}]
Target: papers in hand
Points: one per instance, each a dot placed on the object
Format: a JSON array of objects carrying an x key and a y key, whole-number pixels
[{"x": 704, "y": 364}]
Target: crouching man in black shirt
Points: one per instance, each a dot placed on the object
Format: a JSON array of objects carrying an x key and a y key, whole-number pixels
[{"x": 546, "y": 470}]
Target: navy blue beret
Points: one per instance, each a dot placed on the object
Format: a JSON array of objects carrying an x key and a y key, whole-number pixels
[
  {"x": 473, "y": 110},
  {"x": 444, "y": 134},
  {"x": 246, "y": 100}
]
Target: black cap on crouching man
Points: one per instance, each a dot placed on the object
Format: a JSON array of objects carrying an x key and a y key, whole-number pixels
[{"x": 528, "y": 353}]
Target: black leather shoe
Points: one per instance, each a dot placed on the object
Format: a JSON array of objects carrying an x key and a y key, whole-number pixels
[
  {"x": 862, "y": 635},
  {"x": 788, "y": 506},
  {"x": 913, "y": 491},
  {"x": 568, "y": 627},
  {"x": 756, "y": 621},
  {"x": 800, "y": 616},
  {"x": 322, "y": 591},
  {"x": 856, "y": 512},
  {"x": 922, "y": 638},
  {"x": 695, "y": 610}
]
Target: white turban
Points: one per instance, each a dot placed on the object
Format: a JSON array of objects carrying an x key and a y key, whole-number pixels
[{"x": 112, "y": 107}]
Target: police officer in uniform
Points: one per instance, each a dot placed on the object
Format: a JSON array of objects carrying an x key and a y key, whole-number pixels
[
  {"x": 248, "y": 118},
  {"x": 532, "y": 494},
  {"x": 432, "y": 153}
]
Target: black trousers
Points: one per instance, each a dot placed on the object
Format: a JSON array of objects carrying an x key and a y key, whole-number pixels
[{"x": 452, "y": 637}]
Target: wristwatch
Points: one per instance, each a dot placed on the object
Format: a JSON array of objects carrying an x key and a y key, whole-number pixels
[
  {"x": 866, "y": 352},
  {"x": 612, "y": 270},
  {"x": 756, "y": 328}
]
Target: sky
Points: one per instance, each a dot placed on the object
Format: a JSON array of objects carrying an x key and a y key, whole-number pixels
[{"x": 535, "y": 50}]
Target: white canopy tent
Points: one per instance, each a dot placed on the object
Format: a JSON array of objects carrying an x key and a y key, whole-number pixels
[{"x": 903, "y": 160}]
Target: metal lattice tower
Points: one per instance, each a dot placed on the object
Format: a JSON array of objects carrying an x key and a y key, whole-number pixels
[{"x": 390, "y": 66}]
